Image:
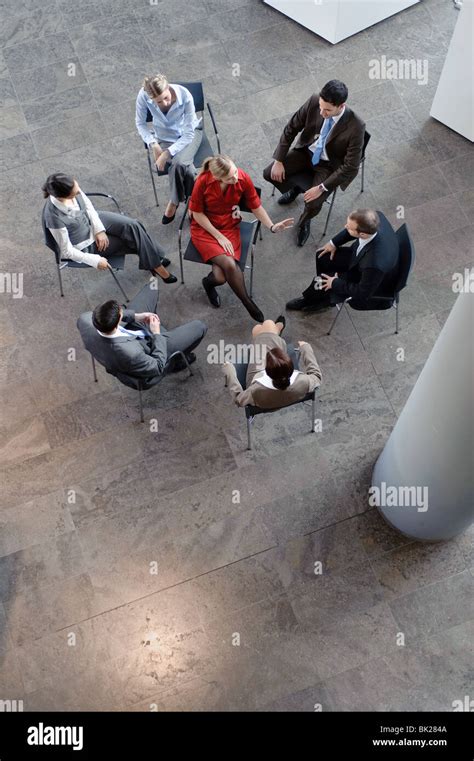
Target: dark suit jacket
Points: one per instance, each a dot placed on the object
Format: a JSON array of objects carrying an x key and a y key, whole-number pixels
[
  {"x": 343, "y": 146},
  {"x": 374, "y": 272},
  {"x": 125, "y": 355}
]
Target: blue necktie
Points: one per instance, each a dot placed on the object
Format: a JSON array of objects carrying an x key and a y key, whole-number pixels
[{"x": 322, "y": 140}]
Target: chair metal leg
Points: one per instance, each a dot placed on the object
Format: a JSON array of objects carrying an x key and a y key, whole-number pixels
[
  {"x": 273, "y": 191},
  {"x": 397, "y": 307},
  {"x": 339, "y": 310},
  {"x": 60, "y": 279},
  {"x": 251, "y": 271},
  {"x": 260, "y": 232},
  {"x": 313, "y": 409},
  {"x": 183, "y": 355},
  {"x": 142, "y": 419},
  {"x": 152, "y": 176},
  {"x": 118, "y": 283},
  {"x": 329, "y": 214},
  {"x": 180, "y": 249},
  {"x": 249, "y": 437},
  {"x": 362, "y": 176},
  {"x": 93, "y": 369}
]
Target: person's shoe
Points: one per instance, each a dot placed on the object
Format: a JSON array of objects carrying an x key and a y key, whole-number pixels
[
  {"x": 165, "y": 262},
  {"x": 166, "y": 220},
  {"x": 289, "y": 196},
  {"x": 212, "y": 294},
  {"x": 303, "y": 233},
  {"x": 179, "y": 364},
  {"x": 282, "y": 320},
  {"x": 170, "y": 279},
  {"x": 306, "y": 306}
]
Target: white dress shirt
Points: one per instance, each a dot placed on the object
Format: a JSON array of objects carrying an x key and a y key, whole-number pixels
[
  {"x": 61, "y": 235},
  {"x": 120, "y": 331},
  {"x": 176, "y": 126},
  {"x": 312, "y": 147}
]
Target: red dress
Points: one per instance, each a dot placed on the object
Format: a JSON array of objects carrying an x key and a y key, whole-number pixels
[{"x": 218, "y": 206}]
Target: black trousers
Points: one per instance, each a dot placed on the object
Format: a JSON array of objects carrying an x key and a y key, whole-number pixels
[
  {"x": 327, "y": 266},
  {"x": 298, "y": 165}
]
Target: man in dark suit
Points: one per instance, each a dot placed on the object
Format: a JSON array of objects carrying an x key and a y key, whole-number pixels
[
  {"x": 133, "y": 341},
  {"x": 326, "y": 155},
  {"x": 367, "y": 268}
]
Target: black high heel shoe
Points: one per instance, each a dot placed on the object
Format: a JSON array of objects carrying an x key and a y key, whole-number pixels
[
  {"x": 281, "y": 319},
  {"x": 166, "y": 220},
  {"x": 170, "y": 279}
]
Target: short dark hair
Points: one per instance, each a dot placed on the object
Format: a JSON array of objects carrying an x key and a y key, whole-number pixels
[
  {"x": 106, "y": 317},
  {"x": 367, "y": 220},
  {"x": 58, "y": 185},
  {"x": 279, "y": 367},
  {"x": 334, "y": 92}
]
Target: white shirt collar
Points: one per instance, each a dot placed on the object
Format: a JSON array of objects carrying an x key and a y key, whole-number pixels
[
  {"x": 363, "y": 242},
  {"x": 339, "y": 116},
  {"x": 266, "y": 381},
  {"x": 62, "y": 206}
]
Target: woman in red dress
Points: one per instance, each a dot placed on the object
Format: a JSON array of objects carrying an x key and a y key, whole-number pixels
[{"x": 215, "y": 226}]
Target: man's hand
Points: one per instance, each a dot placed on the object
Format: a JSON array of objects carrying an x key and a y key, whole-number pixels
[
  {"x": 226, "y": 245},
  {"x": 329, "y": 248},
  {"x": 154, "y": 323},
  {"x": 144, "y": 316},
  {"x": 101, "y": 241},
  {"x": 156, "y": 148},
  {"x": 278, "y": 171},
  {"x": 161, "y": 161},
  {"x": 327, "y": 281},
  {"x": 278, "y": 227},
  {"x": 103, "y": 264},
  {"x": 312, "y": 194}
]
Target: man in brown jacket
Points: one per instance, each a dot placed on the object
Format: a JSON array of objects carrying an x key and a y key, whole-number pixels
[{"x": 326, "y": 155}]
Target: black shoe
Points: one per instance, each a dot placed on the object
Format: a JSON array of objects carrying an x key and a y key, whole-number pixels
[
  {"x": 166, "y": 220},
  {"x": 179, "y": 363},
  {"x": 289, "y": 196},
  {"x": 165, "y": 262},
  {"x": 281, "y": 318},
  {"x": 170, "y": 279},
  {"x": 307, "y": 306},
  {"x": 212, "y": 294},
  {"x": 303, "y": 233}
]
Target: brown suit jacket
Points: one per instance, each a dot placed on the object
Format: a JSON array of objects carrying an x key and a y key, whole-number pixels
[
  {"x": 343, "y": 146},
  {"x": 271, "y": 399}
]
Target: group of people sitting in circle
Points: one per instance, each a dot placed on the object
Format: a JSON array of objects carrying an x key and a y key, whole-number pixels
[{"x": 132, "y": 342}]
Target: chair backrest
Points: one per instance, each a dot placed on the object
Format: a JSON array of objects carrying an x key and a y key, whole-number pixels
[
  {"x": 406, "y": 257},
  {"x": 243, "y": 206},
  {"x": 367, "y": 137},
  {"x": 196, "y": 90},
  {"x": 48, "y": 238}
]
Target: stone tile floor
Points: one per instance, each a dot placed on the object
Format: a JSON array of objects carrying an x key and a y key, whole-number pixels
[{"x": 93, "y": 503}]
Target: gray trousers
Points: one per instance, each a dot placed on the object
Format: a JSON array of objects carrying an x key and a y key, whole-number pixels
[
  {"x": 184, "y": 338},
  {"x": 181, "y": 169},
  {"x": 128, "y": 236}
]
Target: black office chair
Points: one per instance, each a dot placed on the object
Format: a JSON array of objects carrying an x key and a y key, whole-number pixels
[
  {"x": 384, "y": 300},
  {"x": 304, "y": 181},
  {"x": 115, "y": 262},
  {"x": 251, "y": 411},
  {"x": 249, "y": 232},
  {"x": 143, "y": 384},
  {"x": 205, "y": 149}
]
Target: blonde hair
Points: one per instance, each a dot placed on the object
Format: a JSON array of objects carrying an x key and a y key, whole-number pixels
[
  {"x": 219, "y": 166},
  {"x": 156, "y": 85}
]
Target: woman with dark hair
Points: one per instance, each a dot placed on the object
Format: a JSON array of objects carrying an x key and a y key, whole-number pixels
[
  {"x": 215, "y": 233},
  {"x": 272, "y": 380},
  {"x": 85, "y": 235}
]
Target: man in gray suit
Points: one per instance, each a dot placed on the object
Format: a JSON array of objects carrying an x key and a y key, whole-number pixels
[{"x": 133, "y": 342}]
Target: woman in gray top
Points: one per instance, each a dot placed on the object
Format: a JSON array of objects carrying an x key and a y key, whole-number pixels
[{"x": 85, "y": 235}]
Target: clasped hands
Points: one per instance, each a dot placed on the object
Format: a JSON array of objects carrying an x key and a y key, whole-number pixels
[
  {"x": 161, "y": 157},
  {"x": 330, "y": 249},
  {"x": 151, "y": 319}
]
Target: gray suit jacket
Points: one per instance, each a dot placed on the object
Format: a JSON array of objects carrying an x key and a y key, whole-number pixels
[
  {"x": 125, "y": 355},
  {"x": 271, "y": 399}
]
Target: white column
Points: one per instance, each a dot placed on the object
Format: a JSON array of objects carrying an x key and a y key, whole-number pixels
[{"x": 432, "y": 444}]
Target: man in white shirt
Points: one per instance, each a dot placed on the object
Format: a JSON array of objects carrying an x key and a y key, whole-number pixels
[
  {"x": 326, "y": 155},
  {"x": 366, "y": 269}
]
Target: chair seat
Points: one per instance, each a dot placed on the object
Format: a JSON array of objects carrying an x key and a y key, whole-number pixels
[
  {"x": 251, "y": 411},
  {"x": 247, "y": 230}
]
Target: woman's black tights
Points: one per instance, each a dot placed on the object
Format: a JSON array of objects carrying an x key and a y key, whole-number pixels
[{"x": 225, "y": 268}]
